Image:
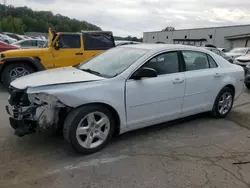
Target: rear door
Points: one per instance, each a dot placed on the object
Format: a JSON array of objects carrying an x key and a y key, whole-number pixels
[
  {"x": 70, "y": 52},
  {"x": 202, "y": 82}
]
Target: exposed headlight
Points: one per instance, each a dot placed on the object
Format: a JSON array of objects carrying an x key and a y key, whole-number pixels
[
  {"x": 43, "y": 98},
  {"x": 248, "y": 66}
]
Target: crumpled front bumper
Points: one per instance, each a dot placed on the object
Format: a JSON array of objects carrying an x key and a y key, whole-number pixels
[
  {"x": 30, "y": 112},
  {"x": 21, "y": 126}
]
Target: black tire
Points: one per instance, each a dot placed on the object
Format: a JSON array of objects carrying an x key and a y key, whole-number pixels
[
  {"x": 6, "y": 78},
  {"x": 247, "y": 85},
  {"x": 72, "y": 121},
  {"x": 215, "y": 112}
]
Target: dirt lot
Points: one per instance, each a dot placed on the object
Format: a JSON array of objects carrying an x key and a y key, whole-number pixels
[{"x": 196, "y": 152}]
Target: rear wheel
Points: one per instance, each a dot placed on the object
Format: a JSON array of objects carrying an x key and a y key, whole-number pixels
[
  {"x": 89, "y": 128},
  {"x": 14, "y": 71},
  {"x": 223, "y": 103},
  {"x": 247, "y": 85}
]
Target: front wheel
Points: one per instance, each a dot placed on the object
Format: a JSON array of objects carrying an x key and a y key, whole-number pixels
[
  {"x": 14, "y": 71},
  {"x": 223, "y": 103},
  {"x": 247, "y": 85},
  {"x": 89, "y": 128}
]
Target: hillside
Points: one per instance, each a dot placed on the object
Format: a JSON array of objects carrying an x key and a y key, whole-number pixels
[{"x": 24, "y": 19}]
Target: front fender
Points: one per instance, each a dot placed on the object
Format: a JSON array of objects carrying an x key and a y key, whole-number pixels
[
  {"x": 78, "y": 94},
  {"x": 35, "y": 61}
]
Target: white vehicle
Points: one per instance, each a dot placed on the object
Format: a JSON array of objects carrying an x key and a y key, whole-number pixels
[
  {"x": 123, "y": 89},
  {"x": 223, "y": 50},
  {"x": 237, "y": 52},
  {"x": 125, "y": 42},
  {"x": 242, "y": 60},
  {"x": 30, "y": 43},
  {"x": 7, "y": 39}
]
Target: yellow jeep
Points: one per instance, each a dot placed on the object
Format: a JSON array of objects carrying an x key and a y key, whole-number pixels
[{"x": 63, "y": 49}]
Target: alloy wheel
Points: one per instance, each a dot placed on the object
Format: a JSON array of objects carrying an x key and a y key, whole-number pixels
[
  {"x": 93, "y": 130},
  {"x": 18, "y": 72},
  {"x": 225, "y": 103}
]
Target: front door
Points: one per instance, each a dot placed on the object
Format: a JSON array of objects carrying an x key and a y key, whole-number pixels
[
  {"x": 159, "y": 98},
  {"x": 70, "y": 52},
  {"x": 202, "y": 82}
]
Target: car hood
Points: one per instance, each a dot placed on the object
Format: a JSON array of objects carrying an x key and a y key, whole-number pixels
[
  {"x": 234, "y": 54},
  {"x": 244, "y": 57},
  {"x": 54, "y": 76}
]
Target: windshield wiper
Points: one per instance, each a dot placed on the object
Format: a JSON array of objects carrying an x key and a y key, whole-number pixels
[{"x": 91, "y": 71}]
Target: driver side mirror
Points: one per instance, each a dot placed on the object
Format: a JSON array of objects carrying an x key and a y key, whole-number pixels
[{"x": 144, "y": 72}]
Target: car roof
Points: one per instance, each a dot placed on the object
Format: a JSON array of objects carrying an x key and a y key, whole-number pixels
[{"x": 160, "y": 47}]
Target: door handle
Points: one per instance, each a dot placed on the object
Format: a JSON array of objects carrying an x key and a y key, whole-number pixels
[
  {"x": 79, "y": 53},
  {"x": 217, "y": 75},
  {"x": 178, "y": 81}
]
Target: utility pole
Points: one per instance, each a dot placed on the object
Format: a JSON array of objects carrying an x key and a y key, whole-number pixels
[{"x": 4, "y": 2}]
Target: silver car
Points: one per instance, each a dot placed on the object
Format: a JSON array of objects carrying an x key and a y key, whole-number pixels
[
  {"x": 30, "y": 43},
  {"x": 220, "y": 53},
  {"x": 6, "y": 39},
  {"x": 123, "y": 89}
]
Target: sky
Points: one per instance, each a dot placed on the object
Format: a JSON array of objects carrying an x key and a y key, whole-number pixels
[{"x": 133, "y": 17}]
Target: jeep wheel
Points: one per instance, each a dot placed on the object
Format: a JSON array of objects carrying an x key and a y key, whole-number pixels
[
  {"x": 14, "y": 71},
  {"x": 89, "y": 128}
]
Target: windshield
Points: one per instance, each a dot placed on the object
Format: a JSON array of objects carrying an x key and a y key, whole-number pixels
[
  {"x": 239, "y": 50},
  {"x": 112, "y": 62}
]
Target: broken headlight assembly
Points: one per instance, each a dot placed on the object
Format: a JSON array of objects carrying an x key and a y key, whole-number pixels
[{"x": 44, "y": 99}]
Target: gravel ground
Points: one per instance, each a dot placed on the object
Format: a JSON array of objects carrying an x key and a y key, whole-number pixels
[{"x": 198, "y": 151}]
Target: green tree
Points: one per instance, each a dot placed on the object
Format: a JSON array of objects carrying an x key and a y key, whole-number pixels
[{"x": 24, "y": 19}]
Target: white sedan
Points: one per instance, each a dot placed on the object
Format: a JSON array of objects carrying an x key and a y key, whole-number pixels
[{"x": 123, "y": 89}]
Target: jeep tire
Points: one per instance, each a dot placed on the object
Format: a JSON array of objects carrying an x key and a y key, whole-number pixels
[{"x": 14, "y": 71}]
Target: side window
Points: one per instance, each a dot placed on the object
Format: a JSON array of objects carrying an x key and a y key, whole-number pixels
[
  {"x": 41, "y": 43},
  {"x": 166, "y": 63},
  {"x": 69, "y": 41},
  {"x": 195, "y": 60},
  {"x": 212, "y": 63},
  {"x": 98, "y": 41},
  {"x": 26, "y": 43},
  {"x": 34, "y": 43}
]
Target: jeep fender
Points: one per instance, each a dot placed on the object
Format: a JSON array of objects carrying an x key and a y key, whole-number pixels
[{"x": 33, "y": 61}]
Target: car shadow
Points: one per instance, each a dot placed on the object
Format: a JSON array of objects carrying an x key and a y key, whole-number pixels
[
  {"x": 154, "y": 129},
  {"x": 43, "y": 143},
  {"x": 2, "y": 88}
]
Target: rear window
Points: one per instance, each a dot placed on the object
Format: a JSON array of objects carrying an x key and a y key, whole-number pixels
[{"x": 98, "y": 41}]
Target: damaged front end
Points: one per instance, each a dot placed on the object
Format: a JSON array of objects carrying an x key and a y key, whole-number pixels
[{"x": 32, "y": 112}]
